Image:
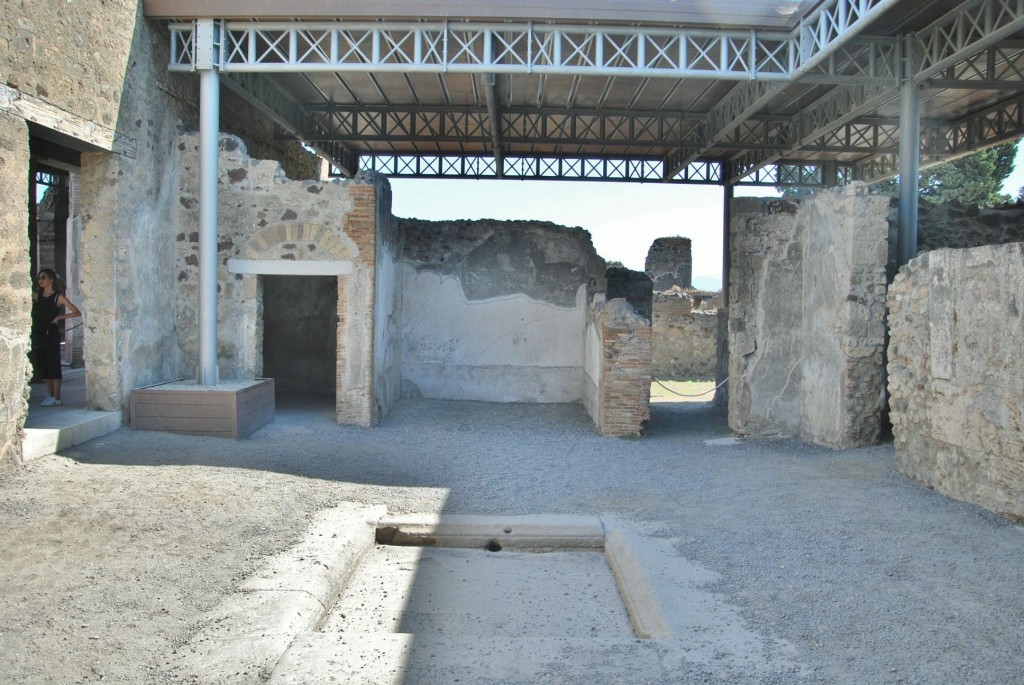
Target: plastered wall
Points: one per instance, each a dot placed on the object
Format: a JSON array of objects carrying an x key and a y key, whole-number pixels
[
  {"x": 496, "y": 311},
  {"x": 956, "y": 373},
  {"x": 806, "y": 317}
]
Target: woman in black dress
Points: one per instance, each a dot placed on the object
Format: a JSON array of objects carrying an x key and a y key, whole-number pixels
[{"x": 49, "y": 306}]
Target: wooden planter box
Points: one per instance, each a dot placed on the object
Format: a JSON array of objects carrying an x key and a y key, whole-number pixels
[{"x": 231, "y": 409}]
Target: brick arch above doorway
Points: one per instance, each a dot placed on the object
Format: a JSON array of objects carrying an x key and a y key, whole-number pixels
[{"x": 299, "y": 242}]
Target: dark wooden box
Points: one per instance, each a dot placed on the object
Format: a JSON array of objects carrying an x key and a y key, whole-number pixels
[{"x": 234, "y": 409}]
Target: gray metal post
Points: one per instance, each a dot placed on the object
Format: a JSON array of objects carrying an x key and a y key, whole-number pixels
[
  {"x": 727, "y": 196},
  {"x": 910, "y": 162},
  {"x": 209, "y": 145}
]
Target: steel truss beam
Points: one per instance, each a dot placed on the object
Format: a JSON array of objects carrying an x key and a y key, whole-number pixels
[
  {"x": 819, "y": 48},
  {"x": 961, "y": 50},
  {"x": 264, "y": 93},
  {"x": 740, "y": 104},
  {"x": 516, "y": 125},
  {"x": 944, "y": 142},
  {"x": 537, "y": 167},
  {"x": 999, "y": 67},
  {"x": 353, "y": 123},
  {"x": 841, "y": 106},
  {"x": 966, "y": 31},
  {"x": 560, "y": 168}
]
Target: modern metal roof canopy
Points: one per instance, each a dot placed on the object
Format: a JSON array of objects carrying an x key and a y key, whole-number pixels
[{"x": 776, "y": 92}]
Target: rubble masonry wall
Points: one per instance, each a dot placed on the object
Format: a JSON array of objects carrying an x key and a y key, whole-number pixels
[
  {"x": 806, "y": 317},
  {"x": 685, "y": 339},
  {"x": 263, "y": 215},
  {"x": 956, "y": 373},
  {"x": 15, "y": 289}
]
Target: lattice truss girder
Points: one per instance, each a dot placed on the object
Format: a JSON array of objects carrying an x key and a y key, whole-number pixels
[
  {"x": 517, "y": 125},
  {"x": 945, "y": 141},
  {"x": 999, "y": 67},
  {"x": 967, "y": 30},
  {"x": 785, "y": 173},
  {"x": 538, "y": 167},
  {"x": 821, "y": 48}
]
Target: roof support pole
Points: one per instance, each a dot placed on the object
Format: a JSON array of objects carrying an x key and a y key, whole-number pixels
[
  {"x": 910, "y": 162},
  {"x": 209, "y": 146}
]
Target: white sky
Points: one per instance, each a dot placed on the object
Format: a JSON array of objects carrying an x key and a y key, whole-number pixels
[{"x": 622, "y": 218}]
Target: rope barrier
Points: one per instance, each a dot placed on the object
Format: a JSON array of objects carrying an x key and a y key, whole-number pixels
[{"x": 700, "y": 394}]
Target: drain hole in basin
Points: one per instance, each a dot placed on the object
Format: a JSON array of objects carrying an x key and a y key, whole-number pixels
[{"x": 493, "y": 546}]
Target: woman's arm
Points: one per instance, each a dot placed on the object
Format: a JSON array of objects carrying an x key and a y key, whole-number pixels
[{"x": 72, "y": 309}]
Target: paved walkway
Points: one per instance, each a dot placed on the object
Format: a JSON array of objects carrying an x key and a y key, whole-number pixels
[{"x": 51, "y": 429}]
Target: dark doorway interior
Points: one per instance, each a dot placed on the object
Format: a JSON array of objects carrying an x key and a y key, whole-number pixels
[
  {"x": 300, "y": 329},
  {"x": 54, "y": 228}
]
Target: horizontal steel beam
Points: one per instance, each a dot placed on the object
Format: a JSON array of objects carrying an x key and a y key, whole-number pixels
[{"x": 583, "y": 49}]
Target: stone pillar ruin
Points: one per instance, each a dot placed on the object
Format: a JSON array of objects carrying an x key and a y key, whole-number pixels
[
  {"x": 807, "y": 317},
  {"x": 670, "y": 263}
]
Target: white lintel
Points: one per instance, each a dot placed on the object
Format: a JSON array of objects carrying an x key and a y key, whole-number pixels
[{"x": 289, "y": 267}]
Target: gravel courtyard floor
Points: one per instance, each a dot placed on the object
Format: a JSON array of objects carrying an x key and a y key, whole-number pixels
[{"x": 116, "y": 552}]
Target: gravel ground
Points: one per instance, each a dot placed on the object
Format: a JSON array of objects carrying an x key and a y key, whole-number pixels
[{"x": 115, "y": 551}]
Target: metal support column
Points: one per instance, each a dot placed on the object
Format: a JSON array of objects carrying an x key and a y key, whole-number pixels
[
  {"x": 727, "y": 196},
  {"x": 209, "y": 146},
  {"x": 910, "y": 160}
]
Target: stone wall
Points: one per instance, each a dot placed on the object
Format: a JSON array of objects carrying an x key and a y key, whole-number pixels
[
  {"x": 956, "y": 374},
  {"x": 670, "y": 263},
  {"x": 617, "y": 379},
  {"x": 806, "y": 317},
  {"x": 496, "y": 310},
  {"x": 264, "y": 216},
  {"x": 15, "y": 289},
  {"x": 634, "y": 287},
  {"x": 685, "y": 337}
]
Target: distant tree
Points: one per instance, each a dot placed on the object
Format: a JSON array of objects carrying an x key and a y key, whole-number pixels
[{"x": 974, "y": 180}]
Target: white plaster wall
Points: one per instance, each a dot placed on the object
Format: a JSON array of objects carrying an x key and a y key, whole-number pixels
[
  {"x": 502, "y": 349},
  {"x": 592, "y": 370}
]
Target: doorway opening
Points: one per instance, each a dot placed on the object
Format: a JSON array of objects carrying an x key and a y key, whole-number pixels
[
  {"x": 300, "y": 340},
  {"x": 54, "y": 239}
]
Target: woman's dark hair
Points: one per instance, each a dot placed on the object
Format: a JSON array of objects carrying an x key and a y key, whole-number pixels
[{"x": 58, "y": 285}]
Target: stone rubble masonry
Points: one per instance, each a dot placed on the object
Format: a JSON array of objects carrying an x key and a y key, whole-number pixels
[
  {"x": 956, "y": 373},
  {"x": 618, "y": 390},
  {"x": 264, "y": 215},
  {"x": 806, "y": 317},
  {"x": 685, "y": 336},
  {"x": 15, "y": 289},
  {"x": 635, "y": 287},
  {"x": 670, "y": 263}
]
